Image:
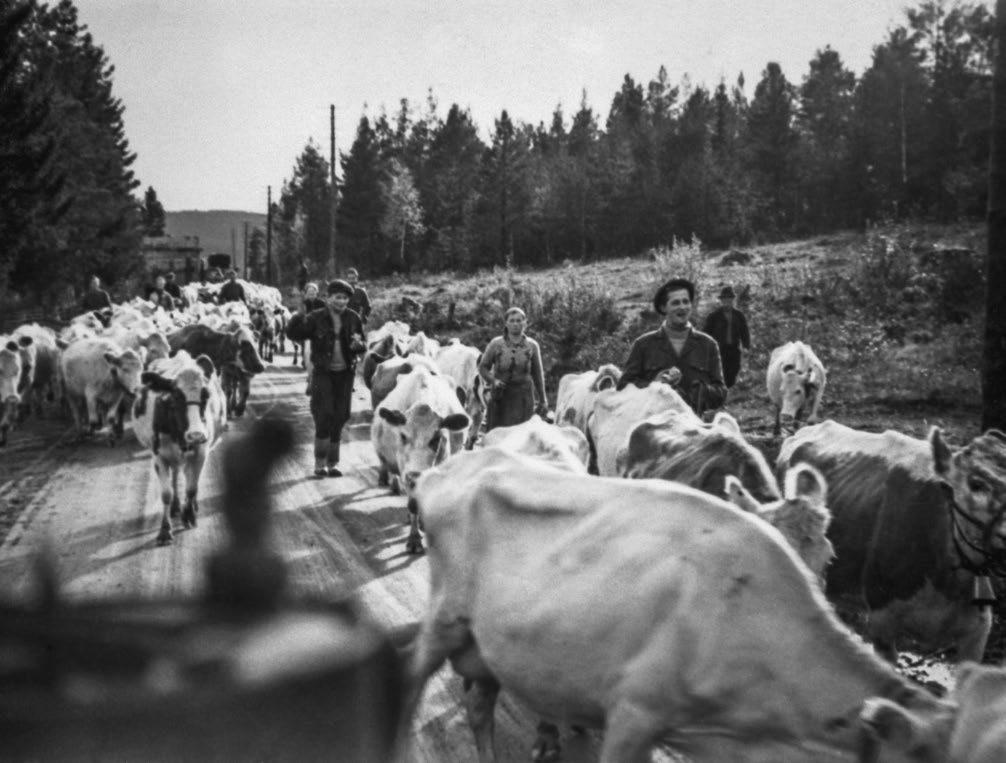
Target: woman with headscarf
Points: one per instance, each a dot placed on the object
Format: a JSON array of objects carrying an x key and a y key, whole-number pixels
[{"x": 512, "y": 370}]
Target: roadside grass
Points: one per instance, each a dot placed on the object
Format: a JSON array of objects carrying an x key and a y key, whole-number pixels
[{"x": 895, "y": 315}]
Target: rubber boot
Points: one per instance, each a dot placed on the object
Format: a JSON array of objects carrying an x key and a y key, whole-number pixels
[
  {"x": 333, "y": 459},
  {"x": 320, "y": 454}
]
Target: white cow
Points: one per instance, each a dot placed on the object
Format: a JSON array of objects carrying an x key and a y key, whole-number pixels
[
  {"x": 616, "y": 412},
  {"x": 648, "y": 609},
  {"x": 98, "y": 375},
  {"x": 10, "y": 378},
  {"x": 180, "y": 415},
  {"x": 461, "y": 363},
  {"x": 386, "y": 375},
  {"x": 574, "y": 400},
  {"x": 795, "y": 379},
  {"x": 419, "y": 424}
]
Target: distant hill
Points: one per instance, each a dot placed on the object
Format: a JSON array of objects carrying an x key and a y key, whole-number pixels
[{"x": 214, "y": 227}]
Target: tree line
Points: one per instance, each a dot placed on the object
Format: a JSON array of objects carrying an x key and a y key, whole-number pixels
[
  {"x": 907, "y": 139},
  {"x": 421, "y": 188}
]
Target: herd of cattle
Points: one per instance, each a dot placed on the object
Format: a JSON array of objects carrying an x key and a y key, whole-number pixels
[
  {"x": 179, "y": 374},
  {"x": 631, "y": 567},
  {"x": 635, "y": 568}
]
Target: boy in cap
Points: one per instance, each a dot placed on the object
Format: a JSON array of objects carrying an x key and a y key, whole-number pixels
[
  {"x": 729, "y": 327},
  {"x": 684, "y": 357},
  {"x": 336, "y": 335}
]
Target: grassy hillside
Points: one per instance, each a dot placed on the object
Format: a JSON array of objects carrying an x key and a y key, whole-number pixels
[
  {"x": 214, "y": 227},
  {"x": 895, "y": 315}
]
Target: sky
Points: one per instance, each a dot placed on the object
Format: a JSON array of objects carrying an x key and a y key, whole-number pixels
[{"x": 221, "y": 96}]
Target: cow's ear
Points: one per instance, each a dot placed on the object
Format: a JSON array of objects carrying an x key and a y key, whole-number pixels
[
  {"x": 25, "y": 341},
  {"x": 395, "y": 418},
  {"x": 204, "y": 362},
  {"x": 155, "y": 381},
  {"x": 739, "y": 496},
  {"x": 456, "y": 422},
  {"x": 804, "y": 481},
  {"x": 113, "y": 359},
  {"x": 12, "y": 346},
  {"x": 998, "y": 434},
  {"x": 62, "y": 343},
  {"x": 726, "y": 422},
  {"x": 462, "y": 395},
  {"x": 942, "y": 455}
]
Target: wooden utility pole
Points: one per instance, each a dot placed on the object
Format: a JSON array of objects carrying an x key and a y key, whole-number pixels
[
  {"x": 246, "y": 250},
  {"x": 234, "y": 248},
  {"x": 335, "y": 194},
  {"x": 994, "y": 360},
  {"x": 268, "y": 236}
]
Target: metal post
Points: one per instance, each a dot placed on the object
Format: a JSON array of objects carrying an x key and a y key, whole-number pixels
[
  {"x": 268, "y": 236},
  {"x": 335, "y": 194}
]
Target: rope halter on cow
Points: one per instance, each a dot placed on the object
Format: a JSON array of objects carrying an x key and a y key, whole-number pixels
[{"x": 990, "y": 560}]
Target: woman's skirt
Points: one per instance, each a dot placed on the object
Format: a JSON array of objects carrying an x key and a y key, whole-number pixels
[{"x": 514, "y": 404}]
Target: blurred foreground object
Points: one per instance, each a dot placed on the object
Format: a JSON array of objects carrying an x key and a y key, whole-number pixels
[{"x": 246, "y": 673}]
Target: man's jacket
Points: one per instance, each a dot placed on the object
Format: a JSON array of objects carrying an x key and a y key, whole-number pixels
[{"x": 318, "y": 328}]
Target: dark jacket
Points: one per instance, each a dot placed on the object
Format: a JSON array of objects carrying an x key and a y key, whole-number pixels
[
  {"x": 360, "y": 303},
  {"x": 96, "y": 299},
  {"x": 231, "y": 291},
  {"x": 716, "y": 327},
  {"x": 701, "y": 384},
  {"x": 317, "y": 326},
  {"x": 162, "y": 298}
]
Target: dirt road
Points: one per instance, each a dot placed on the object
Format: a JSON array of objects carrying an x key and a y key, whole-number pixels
[{"x": 99, "y": 507}]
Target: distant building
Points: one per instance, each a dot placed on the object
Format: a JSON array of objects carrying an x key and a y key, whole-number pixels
[{"x": 180, "y": 254}]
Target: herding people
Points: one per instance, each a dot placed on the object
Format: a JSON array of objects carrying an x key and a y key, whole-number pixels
[
  {"x": 684, "y": 357},
  {"x": 512, "y": 369},
  {"x": 729, "y": 327},
  {"x": 96, "y": 298},
  {"x": 336, "y": 336},
  {"x": 359, "y": 302},
  {"x": 231, "y": 291},
  {"x": 159, "y": 295}
]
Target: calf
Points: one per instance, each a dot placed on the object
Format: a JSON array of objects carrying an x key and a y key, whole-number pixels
[
  {"x": 180, "y": 416},
  {"x": 98, "y": 376},
  {"x": 795, "y": 380},
  {"x": 419, "y": 424},
  {"x": 648, "y": 609}
]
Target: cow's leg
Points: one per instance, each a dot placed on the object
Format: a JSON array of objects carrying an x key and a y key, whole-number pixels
[
  {"x": 74, "y": 404},
  {"x": 168, "y": 499},
  {"x": 778, "y": 423},
  {"x": 193, "y": 468},
  {"x": 383, "y": 474},
  {"x": 480, "y": 701},
  {"x": 972, "y": 646},
  {"x": 91, "y": 401},
  {"x": 546, "y": 744},
  {"x": 631, "y": 731},
  {"x": 414, "y": 545}
]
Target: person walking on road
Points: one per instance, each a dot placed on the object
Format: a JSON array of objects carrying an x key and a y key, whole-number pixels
[
  {"x": 729, "y": 327},
  {"x": 511, "y": 368},
  {"x": 359, "y": 302},
  {"x": 336, "y": 335}
]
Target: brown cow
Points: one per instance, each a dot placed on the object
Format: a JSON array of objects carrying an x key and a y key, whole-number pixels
[{"x": 233, "y": 353}]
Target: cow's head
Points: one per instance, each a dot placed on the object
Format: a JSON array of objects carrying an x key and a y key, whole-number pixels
[
  {"x": 10, "y": 377},
  {"x": 798, "y": 390},
  {"x": 975, "y": 480},
  {"x": 126, "y": 368},
  {"x": 156, "y": 345},
  {"x": 385, "y": 348},
  {"x": 802, "y": 516},
  {"x": 245, "y": 354},
  {"x": 180, "y": 411},
  {"x": 422, "y": 438}
]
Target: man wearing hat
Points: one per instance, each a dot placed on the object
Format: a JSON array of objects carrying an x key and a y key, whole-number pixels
[
  {"x": 682, "y": 356},
  {"x": 336, "y": 336},
  {"x": 728, "y": 326}
]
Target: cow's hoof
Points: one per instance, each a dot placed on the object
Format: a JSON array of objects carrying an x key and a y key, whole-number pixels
[
  {"x": 189, "y": 519},
  {"x": 176, "y": 507},
  {"x": 414, "y": 546},
  {"x": 164, "y": 537},
  {"x": 396, "y": 486}
]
